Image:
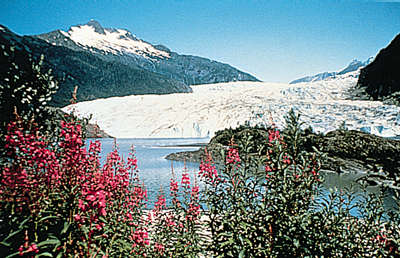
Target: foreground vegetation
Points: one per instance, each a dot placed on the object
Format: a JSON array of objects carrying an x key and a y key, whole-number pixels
[{"x": 57, "y": 200}]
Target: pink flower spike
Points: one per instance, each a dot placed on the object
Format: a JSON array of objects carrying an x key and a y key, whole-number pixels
[
  {"x": 77, "y": 217},
  {"x": 185, "y": 179}
]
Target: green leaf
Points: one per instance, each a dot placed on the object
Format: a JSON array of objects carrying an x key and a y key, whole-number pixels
[
  {"x": 48, "y": 217},
  {"x": 241, "y": 254},
  {"x": 53, "y": 241},
  {"x": 11, "y": 235},
  {"x": 23, "y": 223},
  {"x": 46, "y": 254},
  {"x": 5, "y": 244},
  {"x": 296, "y": 243},
  {"x": 66, "y": 226},
  {"x": 13, "y": 255}
]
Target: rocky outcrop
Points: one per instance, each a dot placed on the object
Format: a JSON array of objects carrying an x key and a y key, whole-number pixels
[
  {"x": 380, "y": 80},
  {"x": 94, "y": 131},
  {"x": 354, "y": 150},
  {"x": 221, "y": 141},
  {"x": 343, "y": 152}
]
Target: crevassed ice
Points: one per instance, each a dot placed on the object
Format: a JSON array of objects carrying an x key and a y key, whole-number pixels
[{"x": 213, "y": 107}]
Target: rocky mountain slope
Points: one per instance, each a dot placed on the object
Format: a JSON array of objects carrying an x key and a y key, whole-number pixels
[
  {"x": 353, "y": 66},
  {"x": 120, "y": 45},
  {"x": 380, "y": 80},
  {"x": 95, "y": 77},
  {"x": 113, "y": 62}
]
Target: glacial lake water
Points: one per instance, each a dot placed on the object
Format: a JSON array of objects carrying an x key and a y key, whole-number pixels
[{"x": 155, "y": 171}]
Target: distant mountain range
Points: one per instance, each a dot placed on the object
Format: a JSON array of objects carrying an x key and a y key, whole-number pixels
[
  {"x": 108, "y": 62},
  {"x": 353, "y": 66}
]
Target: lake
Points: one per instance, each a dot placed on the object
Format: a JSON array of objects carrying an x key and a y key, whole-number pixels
[{"x": 155, "y": 170}]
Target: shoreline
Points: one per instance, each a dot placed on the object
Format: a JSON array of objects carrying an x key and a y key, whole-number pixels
[
  {"x": 190, "y": 145},
  {"x": 376, "y": 159}
]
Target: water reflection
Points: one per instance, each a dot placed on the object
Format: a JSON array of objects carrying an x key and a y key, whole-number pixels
[{"x": 347, "y": 182}]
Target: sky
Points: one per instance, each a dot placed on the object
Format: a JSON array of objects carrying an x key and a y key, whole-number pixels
[{"x": 276, "y": 41}]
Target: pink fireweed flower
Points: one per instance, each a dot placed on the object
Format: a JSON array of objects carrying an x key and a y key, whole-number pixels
[
  {"x": 193, "y": 212},
  {"x": 173, "y": 186},
  {"x": 140, "y": 238},
  {"x": 185, "y": 180},
  {"x": 160, "y": 203},
  {"x": 33, "y": 248},
  {"x": 195, "y": 192},
  {"x": 21, "y": 250},
  {"x": 208, "y": 170},
  {"x": 102, "y": 212},
  {"x": 170, "y": 220},
  {"x": 90, "y": 198},
  {"x": 274, "y": 135},
  {"x": 159, "y": 247},
  {"x": 132, "y": 161},
  {"x": 268, "y": 168},
  {"x": 77, "y": 217},
  {"x": 286, "y": 159},
  {"x": 233, "y": 156}
]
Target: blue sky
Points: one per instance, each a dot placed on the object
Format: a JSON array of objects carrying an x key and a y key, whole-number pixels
[{"x": 276, "y": 41}]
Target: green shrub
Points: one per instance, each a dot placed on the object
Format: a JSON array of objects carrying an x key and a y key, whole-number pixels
[{"x": 272, "y": 207}]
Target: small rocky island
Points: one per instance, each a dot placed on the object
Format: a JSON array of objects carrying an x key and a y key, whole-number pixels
[
  {"x": 94, "y": 131},
  {"x": 343, "y": 151}
]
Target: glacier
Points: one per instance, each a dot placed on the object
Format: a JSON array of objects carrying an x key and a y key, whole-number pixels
[{"x": 323, "y": 105}]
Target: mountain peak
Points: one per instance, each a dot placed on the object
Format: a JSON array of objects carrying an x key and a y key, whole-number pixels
[
  {"x": 96, "y": 25},
  {"x": 369, "y": 60},
  {"x": 354, "y": 65},
  {"x": 114, "y": 41},
  {"x": 354, "y": 61}
]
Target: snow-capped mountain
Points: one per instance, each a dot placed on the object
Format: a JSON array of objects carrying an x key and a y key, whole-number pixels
[
  {"x": 114, "y": 41},
  {"x": 95, "y": 76},
  {"x": 213, "y": 107},
  {"x": 353, "y": 66},
  {"x": 356, "y": 65},
  {"x": 119, "y": 47},
  {"x": 108, "y": 62}
]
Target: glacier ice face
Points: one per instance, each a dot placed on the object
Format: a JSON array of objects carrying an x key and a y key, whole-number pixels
[{"x": 213, "y": 107}]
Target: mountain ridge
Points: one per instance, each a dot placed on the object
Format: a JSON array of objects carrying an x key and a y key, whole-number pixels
[
  {"x": 354, "y": 65},
  {"x": 95, "y": 77},
  {"x": 102, "y": 71},
  {"x": 130, "y": 50}
]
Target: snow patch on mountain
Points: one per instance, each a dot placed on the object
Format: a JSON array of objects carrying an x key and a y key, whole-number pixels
[
  {"x": 213, "y": 107},
  {"x": 354, "y": 66},
  {"x": 115, "y": 41}
]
